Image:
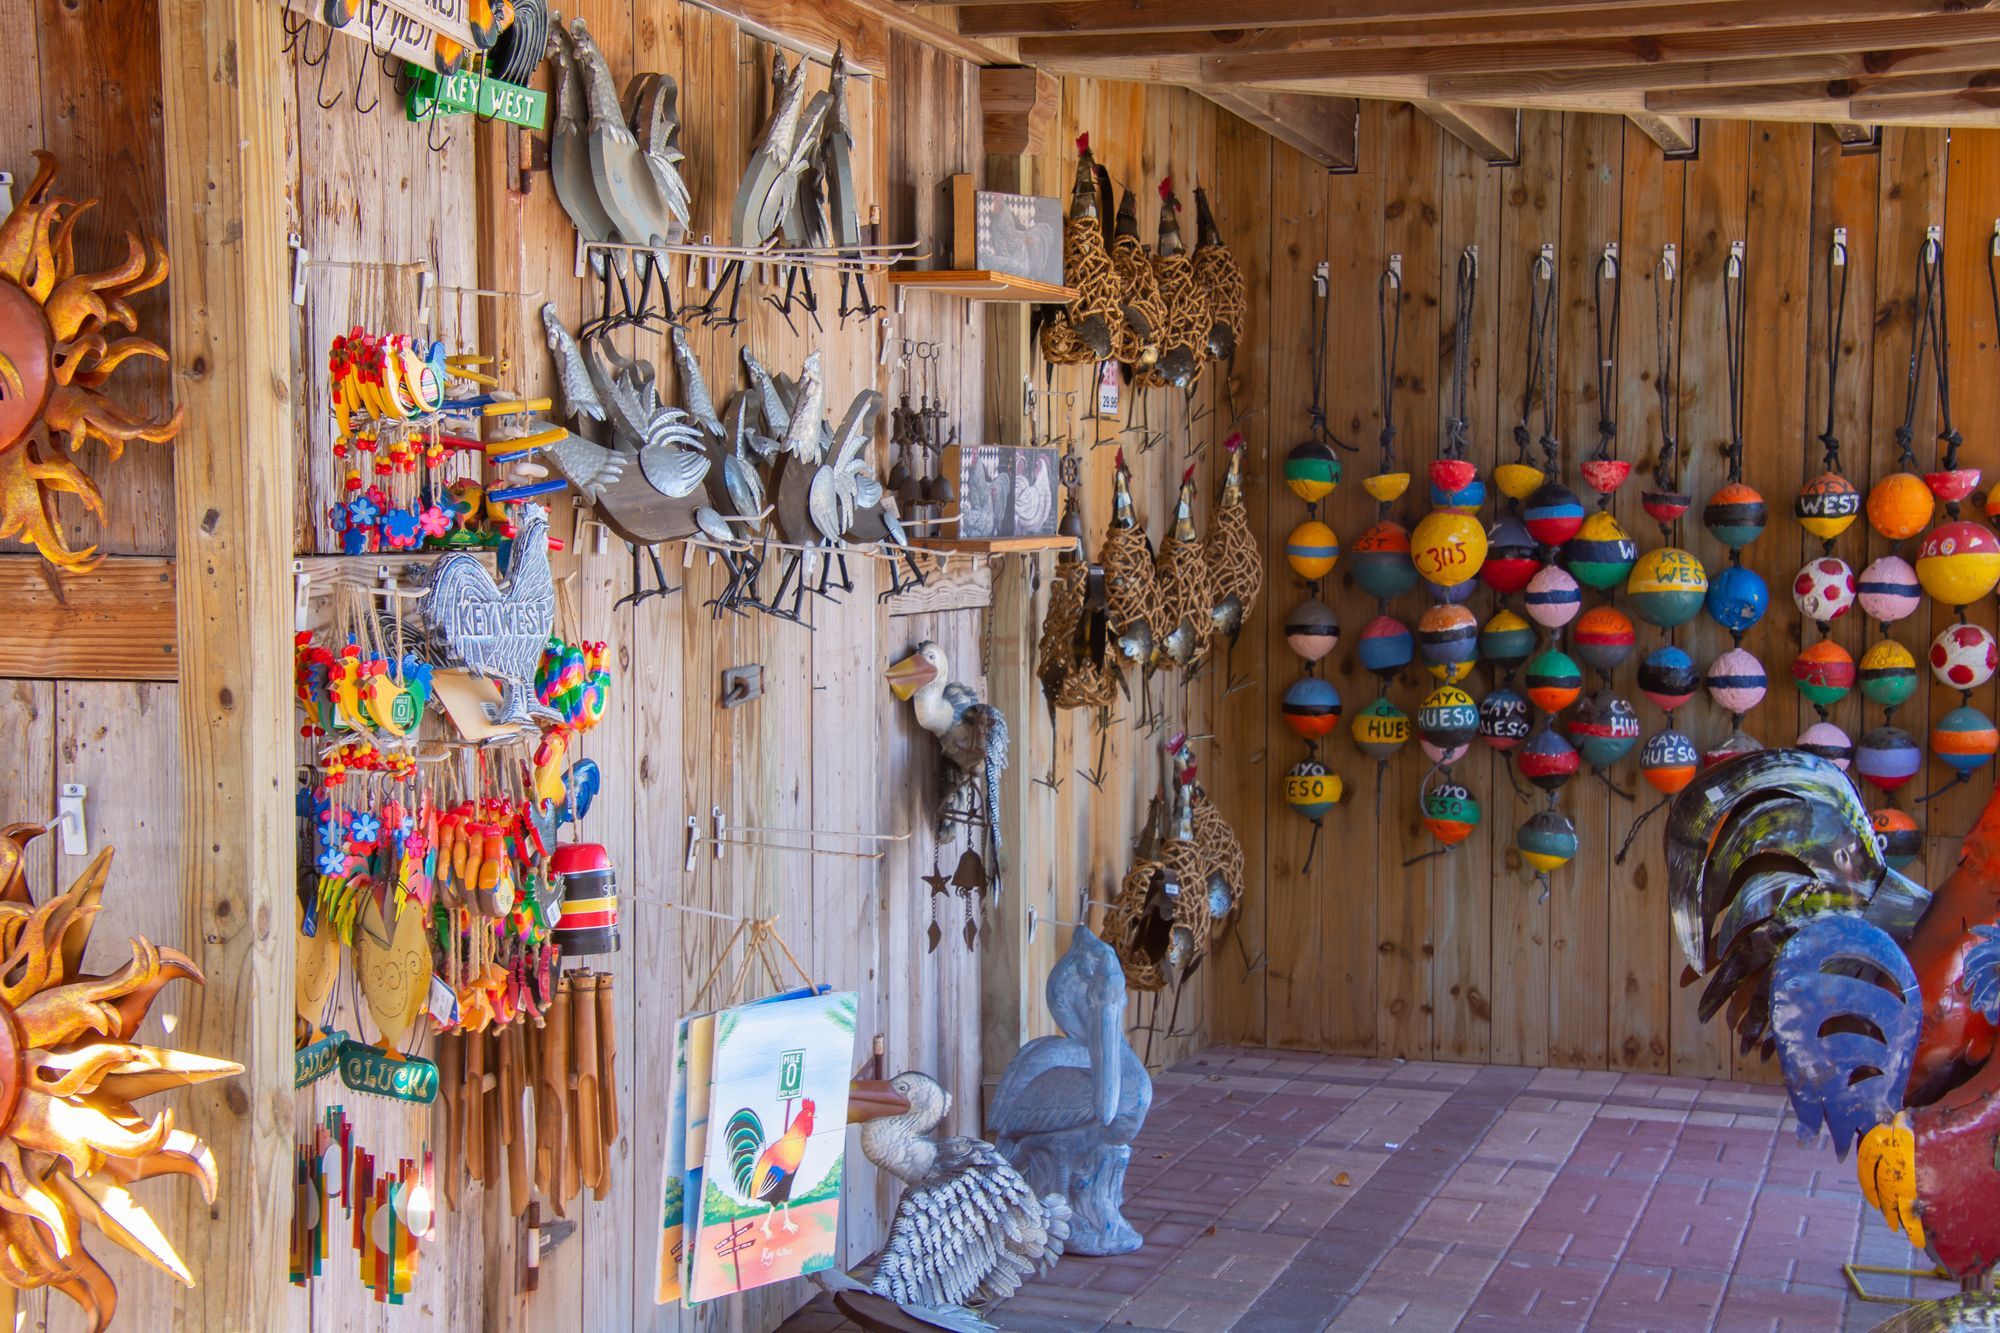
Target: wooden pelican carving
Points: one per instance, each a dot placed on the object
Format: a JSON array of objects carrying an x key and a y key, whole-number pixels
[{"x": 973, "y": 736}]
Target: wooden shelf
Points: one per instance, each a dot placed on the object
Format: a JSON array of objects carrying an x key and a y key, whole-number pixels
[
  {"x": 994, "y": 545},
  {"x": 980, "y": 284}
]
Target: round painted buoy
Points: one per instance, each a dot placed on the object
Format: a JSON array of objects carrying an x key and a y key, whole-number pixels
[
  {"x": 1959, "y": 562},
  {"x": 1448, "y": 638},
  {"x": 1310, "y": 790},
  {"x": 1667, "y": 587},
  {"x": 1511, "y": 556},
  {"x": 1312, "y": 630},
  {"x": 1888, "y": 674},
  {"x": 1518, "y": 481},
  {"x": 1668, "y": 761},
  {"x": 1667, "y": 677},
  {"x": 1602, "y": 553},
  {"x": 1554, "y": 680},
  {"x": 1553, "y": 599},
  {"x": 1503, "y": 719},
  {"x": 1447, "y": 721},
  {"x": 1380, "y": 729},
  {"x": 1547, "y": 842},
  {"x": 1455, "y": 486},
  {"x": 1553, "y": 514},
  {"x": 1964, "y": 739},
  {"x": 1734, "y": 515},
  {"x": 1312, "y": 470},
  {"x": 1888, "y": 590},
  {"x": 1887, "y": 757},
  {"x": 1824, "y": 591},
  {"x": 1827, "y": 505},
  {"x": 1312, "y": 550},
  {"x": 1450, "y": 813},
  {"x": 1897, "y": 834},
  {"x": 1604, "y": 730},
  {"x": 1507, "y": 640},
  {"x": 1385, "y": 647},
  {"x": 1736, "y": 681},
  {"x": 1312, "y": 707},
  {"x": 1604, "y": 475},
  {"x": 1829, "y": 742},
  {"x": 1457, "y": 594},
  {"x": 1386, "y": 487},
  {"x": 1665, "y": 507},
  {"x": 1735, "y": 743},
  {"x": 1964, "y": 656},
  {"x": 1448, "y": 547},
  {"x": 1548, "y": 759},
  {"x": 1381, "y": 561},
  {"x": 1824, "y": 673},
  {"x": 1604, "y": 638},
  {"x": 1737, "y": 598},
  {"x": 1954, "y": 485},
  {"x": 1899, "y": 506}
]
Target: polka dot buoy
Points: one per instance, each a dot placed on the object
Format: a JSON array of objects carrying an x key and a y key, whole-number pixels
[
  {"x": 1888, "y": 674},
  {"x": 1312, "y": 630},
  {"x": 1547, "y": 841},
  {"x": 1824, "y": 673},
  {"x": 1829, "y": 742},
  {"x": 1446, "y": 723},
  {"x": 1380, "y": 561},
  {"x": 1603, "y": 638},
  {"x": 1512, "y": 557},
  {"x": 1900, "y": 505},
  {"x": 1887, "y": 757},
  {"x": 1897, "y": 834},
  {"x": 1827, "y": 505},
  {"x": 1667, "y": 587},
  {"x": 1553, "y": 514},
  {"x": 1455, "y": 486},
  {"x": 1959, "y": 562},
  {"x": 1507, "y": 640},
  {"x": 1386, "y": 646},
  {"x": 1312, "y": 791},
  {"x": 1312, "y": 470},
  {"x": 1736, "y": 681},
  {"x": 1964, "y": 739},
  {"x": 1824, "y": 591},
  {"x": 1668, "y": 677},
  {"x": 1604, "y": 730},
  {"x": 1964, "y": 656},
  {"x": 1312, "y": 550},
  {"x": 1668, "y": 761},
  {"x": 1518, "y": 481},
  {"x": 1312, "y": 707},
  {"x": 1553, "y": 598},
  {"x": 1503, "y": 719},
  {"x": 1451, "y": 812},
  {"x": 1602, "y": 553},
  {"x": 1554, "y": 680},
  {"x": 1737, "y": 599},
  {"x": 1548, "y": 759},
  {"x": 1888, "y": 590},
  {"x": 1380, "y": 729},
  {"x": 1448, "y": 548},
  {"x": 1448, "y": 639},
  {"x": 1734, "y": 515}
]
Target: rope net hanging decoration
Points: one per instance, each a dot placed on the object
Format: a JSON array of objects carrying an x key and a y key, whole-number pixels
[
  {"x": 1221, "y": 280},
  {"x": 1186, "y": 594},
  {"x": 1081, "y": 333},
  {"x": 1183, "y": 304},
  {"x": 1235, "y": 564},
  {"x": 1135, "y": 340}
]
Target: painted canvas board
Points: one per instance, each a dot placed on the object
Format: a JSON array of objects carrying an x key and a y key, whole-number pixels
[{"x": 673, "y": 1177}]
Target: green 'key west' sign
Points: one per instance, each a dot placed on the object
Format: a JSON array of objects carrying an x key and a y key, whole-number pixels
[{"x": 492, "y": 99}]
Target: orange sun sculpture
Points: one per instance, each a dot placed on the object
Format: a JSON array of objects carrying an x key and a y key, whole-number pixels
[
  {"x": 55, "y": 359},
  {"x": 71, "y": 1143}
]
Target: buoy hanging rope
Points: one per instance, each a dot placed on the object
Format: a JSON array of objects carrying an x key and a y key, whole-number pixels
[
  {"x": 1836, "y": 325},
  {"x": 1734, "y": 312},
  {"x": 1541, "y": 299},
  {"x": 1546, "y": 352},
  {"x": 1607, "y": 276},
  {"x": 1668, "y": 504},
  {"x": 1388, "y": 341},
  {"x": 1322, "y": 314},
  {"x": 1932, "y": 268},
  {"x": 1906, "y": 433},
  {"x": 1456, "y": 441}
]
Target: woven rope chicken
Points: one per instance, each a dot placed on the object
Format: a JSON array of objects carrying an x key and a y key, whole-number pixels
[
  {"x": 1135, "y": 340},
  {"x": 1072, "y": 675},
  {"x": 1235, "y": 565},
  {"x": 1220, "y": 278},
  {"x": 1081, "y": 333},
  {"x": 1184, "y": 301},
  {"x": 1161, "y": 921},
  {"x": 1185, "y": 619},
  {"x": 1221, "y": 853}
]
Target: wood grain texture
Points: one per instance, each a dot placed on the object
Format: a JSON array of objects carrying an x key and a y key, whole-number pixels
[{"x": 114, "y": 623}]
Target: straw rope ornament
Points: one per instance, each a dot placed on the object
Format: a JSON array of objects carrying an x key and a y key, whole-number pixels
[
  {"x": 1160, "y": 925},
  {"x": 1235, "y": 564},
  {"x": 1131, "y": 597},
  {"x": 1136, "y": 338},
  {"x": 1080, "y": 334},
  {"x": 1183, "y": 300},
  {"x": 1185, "y": 619},
  {"x": 1222, "y": 853},
  {"x": 1221, "y": 280},
  {"x": 1074, "y": 660}
]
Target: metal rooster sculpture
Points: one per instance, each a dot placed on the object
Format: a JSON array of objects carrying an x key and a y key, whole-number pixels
[
  {"x": 1069, "y": 1107},
  {"x": 1879, "y": 999},
  {"x": 973, "y": 736},
  {"x": 500, "y": 635}
]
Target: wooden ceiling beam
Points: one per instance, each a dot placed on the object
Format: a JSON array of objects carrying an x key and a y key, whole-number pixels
[
  {"x": 1674, "y": 134},
  {"x": 1490, "y": 131},
  {"x": 1013, "y": 19},
  {"x": 1323, "y": 128},
  {"x": 1951, "y": 106},
  {"x": 1829, "y": 97},
  {"x": 1824, "y": 68}
]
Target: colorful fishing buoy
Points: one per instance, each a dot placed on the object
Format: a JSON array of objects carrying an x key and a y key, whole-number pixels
[
  {"x": 1457, "y": 594},
  {"x": 1734, "y": 515},
  {"x": 1451, "y": 813},
  {"x": 1667, "y": 676},
  {"x": 1965, "y": 740},
  {"x": 1446, "y": 723},
  {"x": 1829, "y": 742},
  {"x": 1964, "y": 656},
  {"x": 1455, "y": 486},
  {"x": 1887, "y": 757},
  {"x": 1604, "y": 638},
  {"x": 1312, "y": 550},
  {"x": 1897, "y": 834},
  {"x": 1601, "y": 554},
  {"x": 1668, "y": 762},
  {"x": 1824, "y": 673},
  {"x": 1312, "y": 470},
  {"x": 1824, "y": 591},
  {"x": 1380, "y": 729},
  {"x": 1737, "y": 599},
  {"x": 1518, "y": 481},
  {"x": 1953, "y": 484},
  {"x": 1381, "y": 561},
  {"x": 1311, "y": 791},
  {"x": 1386, "y": 647},
  {"x": 1553, "y": 514},
  {"x": 1900, "y": 506},
  {"x": 1448, "y": 638},
  {"x": 1888, "y": 590},
  {"x": 1503, "y": 719},
  {"x": 1312, "y": 630},
  {"x": 1547, "y": 841},
  {"x": 1512, "y": 558},
  {"x": 1312, "y": 707},
  {"x": 1554, "y": 680},
  {"x": 1959, "y": 562},
  {"x": 1667, "y": 587},
  {"x": 1827, "y": 505},
  {"x": 1448, "y": 547},
  {"x": 1548, "y": 759},
  {"x": 1553, "y": 598},
  {"x": 1604, "y": 475},
  {"x": 1604, "y": 730},
  {"x": 1507, "y": 640},
  {"x": 1888, "y": 674},
  {"x": 1735, "y": 743},
  {"x": 1665, "y": 506},
  {"x": 1386, "y": 487},
  {"x": 1736, "y": 681}
]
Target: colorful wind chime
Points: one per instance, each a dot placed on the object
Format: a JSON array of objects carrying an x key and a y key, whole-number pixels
[
  {"x": 387, "y": 1212},
  {"x": 1734, "y": 516},
  {"x": 1312, "y": 704}
]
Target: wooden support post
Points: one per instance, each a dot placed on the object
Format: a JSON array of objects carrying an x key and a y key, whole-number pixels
[
  {"x": 225, "y": 157},
  {"x": 1674, "y": 134},
  {"x": 1019, "y": 105}
]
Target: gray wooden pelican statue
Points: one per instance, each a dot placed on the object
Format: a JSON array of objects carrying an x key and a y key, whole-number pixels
[
  {"x": 1069, "y": 1107},
  {"x": 973, "y": 736}
]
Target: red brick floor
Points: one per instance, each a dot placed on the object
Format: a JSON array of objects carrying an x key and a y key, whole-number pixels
[{"x": 1281, "y": 1191}]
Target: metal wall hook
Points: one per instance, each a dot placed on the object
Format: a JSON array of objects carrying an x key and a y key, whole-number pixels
[{"x": 725, "y": 836}]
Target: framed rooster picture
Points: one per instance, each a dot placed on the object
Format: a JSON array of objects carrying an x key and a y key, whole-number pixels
[{"x": 773, "y": 1160}]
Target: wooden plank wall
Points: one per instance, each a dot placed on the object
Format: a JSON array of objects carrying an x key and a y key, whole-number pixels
[{"x": 1456, "y": 958}]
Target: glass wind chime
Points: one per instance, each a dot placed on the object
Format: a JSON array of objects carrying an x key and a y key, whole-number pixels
[
  {"x": 1312, "y": 705},
  {"x": 1734, "y": 516}
]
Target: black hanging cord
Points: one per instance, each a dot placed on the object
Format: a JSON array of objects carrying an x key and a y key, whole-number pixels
[
  {"x": 1836, "y": 325},
  {"x": 1456, "y": 442},
  {"x": 1934, "y": 301},
  {"x": 1666, "y": 379},
  {"x": 1734, "y": 311},
  {"x": 1551, "y": 448},
  {"x": 1607, "y": 359},
  {"x": 1541, "y": 300},
  {"x": 1322, "y": 308},
  {"x": 1388, "y": 340},
  {"x": 1919, "y": 337}
]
